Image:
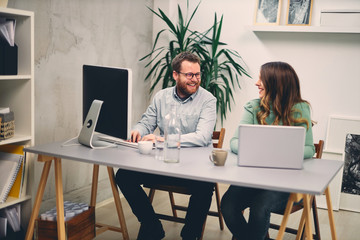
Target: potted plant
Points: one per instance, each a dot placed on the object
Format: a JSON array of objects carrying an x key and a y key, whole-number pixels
[{"x": 220, "y": 67}]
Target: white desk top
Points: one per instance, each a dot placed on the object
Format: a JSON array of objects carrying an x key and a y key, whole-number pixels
[{"x": 195, "y": 164}]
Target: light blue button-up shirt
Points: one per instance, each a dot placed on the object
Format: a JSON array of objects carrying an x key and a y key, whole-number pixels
[{"x": 197, "y": 116}]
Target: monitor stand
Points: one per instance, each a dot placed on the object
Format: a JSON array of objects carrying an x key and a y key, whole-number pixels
[{"x": 87, "y": 136}]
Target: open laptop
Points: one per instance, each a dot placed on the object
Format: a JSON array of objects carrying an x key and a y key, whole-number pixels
[{"x": 271, "y": 146}]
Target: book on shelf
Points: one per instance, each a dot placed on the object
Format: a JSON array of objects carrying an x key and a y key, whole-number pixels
[
  {"x": 3, "y": 226},
  {"x": 10, "y": 222},
  {"x": 16, "y": 190},
  {"x": 13, "y": 217},
  {"x": 10, "y": 164}
]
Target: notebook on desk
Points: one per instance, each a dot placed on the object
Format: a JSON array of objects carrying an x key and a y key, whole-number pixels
[{"x": 271, "y": 146}]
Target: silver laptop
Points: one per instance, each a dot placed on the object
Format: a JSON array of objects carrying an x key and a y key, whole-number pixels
[{"x": 271, "y": 146}]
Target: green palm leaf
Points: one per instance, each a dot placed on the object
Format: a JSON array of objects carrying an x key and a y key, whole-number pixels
[{"x": 220, "y": 67}]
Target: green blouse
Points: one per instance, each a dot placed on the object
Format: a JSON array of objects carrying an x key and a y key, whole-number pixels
[{"x": 249, "y": 117}]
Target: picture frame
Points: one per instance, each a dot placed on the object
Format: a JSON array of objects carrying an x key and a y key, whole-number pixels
[
  {"x": 299, "y": 12},
  {"x": 338, "y": 127},
  {"x": 350, "y": 188},
  {"x": 267, "y": 12},
  {"x": 334, "y": 149}
]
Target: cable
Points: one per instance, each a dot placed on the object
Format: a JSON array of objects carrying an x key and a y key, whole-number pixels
[{"x": 68, "y": 145}]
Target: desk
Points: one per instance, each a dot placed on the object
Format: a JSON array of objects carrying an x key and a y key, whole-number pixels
[{"x": 194, "y": 164}]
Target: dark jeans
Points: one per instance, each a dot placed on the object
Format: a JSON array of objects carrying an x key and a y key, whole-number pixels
[
  {"x": 261, "y": 203},
  {"x": 130, "y": 182}
]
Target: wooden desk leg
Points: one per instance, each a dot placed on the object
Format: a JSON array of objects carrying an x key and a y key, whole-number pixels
[
  {"x": 59, "y": 200},
  {"x": 118, "y": 204},
  {"x": 301, "y": 227},
  {"x": 38, "y": 198},
  {"x": 288, "y": 208},
  {"x": 330, "y": 213},
  {"x": 308, "y": 232},
  {"x": 94, "y": 185}
]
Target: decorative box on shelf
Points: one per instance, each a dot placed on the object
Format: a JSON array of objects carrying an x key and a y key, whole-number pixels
[
  {"x": 340, "y": 18},
  {"x": 81, "y": 226},
  {"x": 7, "y": 126}
]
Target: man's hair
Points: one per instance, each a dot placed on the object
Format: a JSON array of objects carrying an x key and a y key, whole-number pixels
[{"x": 184, "y": 56}]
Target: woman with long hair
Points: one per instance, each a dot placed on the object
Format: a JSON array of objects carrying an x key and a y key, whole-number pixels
[{"x": 279, "y": 103}]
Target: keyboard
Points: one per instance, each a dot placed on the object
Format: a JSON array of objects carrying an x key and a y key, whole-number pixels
[{"x": 118, "y": 141}]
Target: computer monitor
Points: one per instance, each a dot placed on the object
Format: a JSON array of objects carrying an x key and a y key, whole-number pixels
[{"x": 113, "y": 86}]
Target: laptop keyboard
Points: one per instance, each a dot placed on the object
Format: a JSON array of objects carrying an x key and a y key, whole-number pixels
[{"x": 118, "y": 141}]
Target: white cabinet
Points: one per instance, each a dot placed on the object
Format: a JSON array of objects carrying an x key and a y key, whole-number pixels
[{"x": 17, "y": 92}]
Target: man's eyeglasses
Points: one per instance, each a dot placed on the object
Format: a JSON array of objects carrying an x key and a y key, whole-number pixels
[{"x": 190, "y": 75}]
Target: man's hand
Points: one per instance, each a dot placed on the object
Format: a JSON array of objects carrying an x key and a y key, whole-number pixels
[
  {"x": 149, "y": 137},
  {"x": 135, "y": 136}
]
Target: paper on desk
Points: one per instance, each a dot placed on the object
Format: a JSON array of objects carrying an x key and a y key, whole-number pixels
[{"x": 7, "y": 30}]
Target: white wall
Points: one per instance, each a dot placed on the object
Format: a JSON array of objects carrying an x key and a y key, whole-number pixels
[{"x": 328, "y": 64}]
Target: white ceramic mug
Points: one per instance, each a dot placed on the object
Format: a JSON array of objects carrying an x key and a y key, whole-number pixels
[
  {"x": 145, "y": 147},
  {"x": 218, "y": 157}
]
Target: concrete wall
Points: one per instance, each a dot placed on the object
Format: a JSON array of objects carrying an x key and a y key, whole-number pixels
[{"x": 69, "y": 34}]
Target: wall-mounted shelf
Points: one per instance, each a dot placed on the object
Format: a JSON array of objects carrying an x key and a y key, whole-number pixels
[
  {"x": 18, "y": 77},
  {"x": 304, "y": 29},
  {"x": 12, "y": 201}
]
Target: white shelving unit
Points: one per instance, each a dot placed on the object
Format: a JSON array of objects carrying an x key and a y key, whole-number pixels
[
  {"x": 304, "y": 29},
  {"x": 17, "y": 92}
]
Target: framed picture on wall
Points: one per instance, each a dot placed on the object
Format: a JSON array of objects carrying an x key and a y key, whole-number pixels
[
  {"x": 299, "y": 12},
  {"x": 267, "y": 12}
]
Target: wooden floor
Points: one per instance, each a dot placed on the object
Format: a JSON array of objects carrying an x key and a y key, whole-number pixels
[{"x": 347, "y": 223}]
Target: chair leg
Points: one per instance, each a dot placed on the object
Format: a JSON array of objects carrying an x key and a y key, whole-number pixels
[
  {"x": 172, "y": 203},
  {"x": 316, "y": 235},
  {"x": 217, "y": 195},
  {"x": 203, "y": 229},
  {"x": 151, "y": 194},
  {"x": 287, "y": 212},
  {"x": 316, "y": 219}
]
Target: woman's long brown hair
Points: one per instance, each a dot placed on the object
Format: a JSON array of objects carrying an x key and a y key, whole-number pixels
[{"x": 282, "y": 91}]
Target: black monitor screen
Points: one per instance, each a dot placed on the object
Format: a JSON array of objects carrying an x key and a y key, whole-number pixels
[{"x": 113, "y": 87}]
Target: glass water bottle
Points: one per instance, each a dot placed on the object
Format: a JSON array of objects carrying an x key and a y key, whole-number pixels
[{"x": 172, "y": 135}]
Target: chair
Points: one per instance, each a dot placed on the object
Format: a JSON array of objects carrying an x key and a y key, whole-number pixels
[
  {"x": 218, "y": 139},
  {"x": 300, "y": 205}
]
